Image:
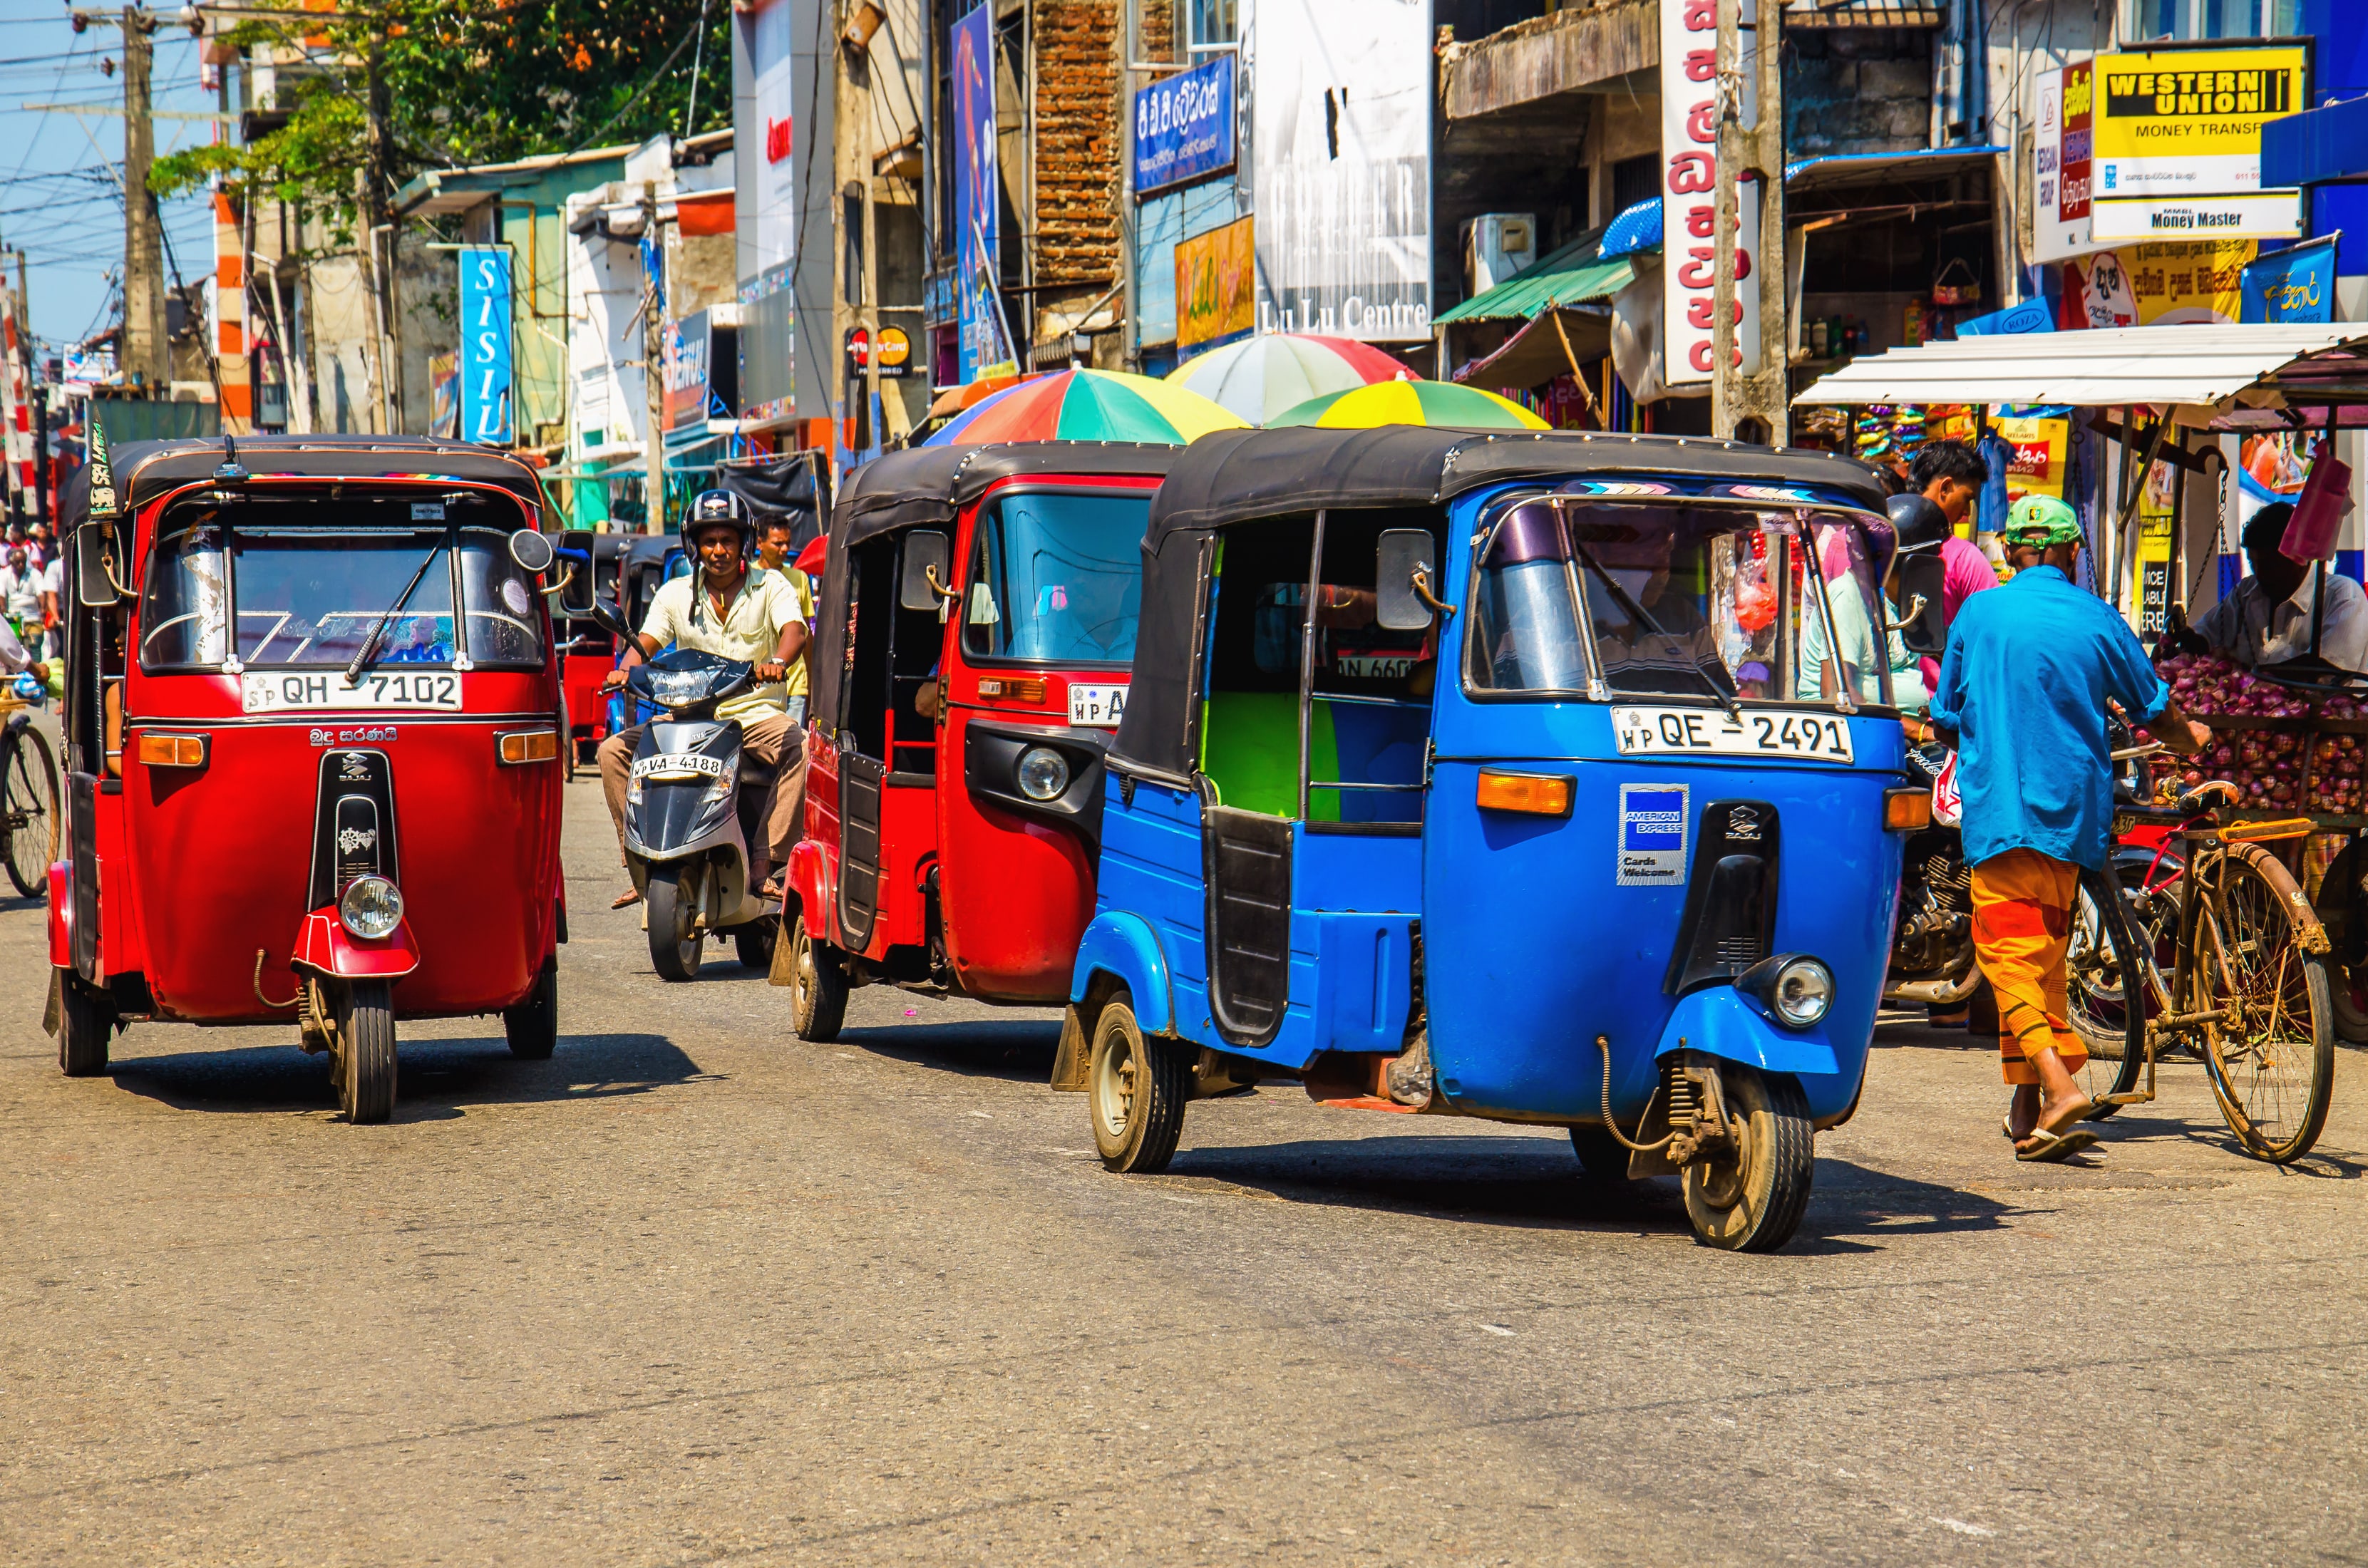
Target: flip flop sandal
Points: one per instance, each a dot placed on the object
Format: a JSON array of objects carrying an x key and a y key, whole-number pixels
[
  {"x": 627, "y": 898},
  {"x": 2053, "y": 1147}
]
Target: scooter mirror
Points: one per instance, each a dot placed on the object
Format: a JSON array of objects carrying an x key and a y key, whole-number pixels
[
  {"x": 926, "y": 556},
  {"x": 604, "y": 616},
  {"x": 531, "y": 550},
  {"x": 1923, "y": 626},
  {"x": 576, "y": 595},
  {"x": 1400, "y": 554}
]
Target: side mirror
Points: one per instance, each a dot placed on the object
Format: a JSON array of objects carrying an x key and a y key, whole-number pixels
[
  {"x": 576, "y": 595},
  {"x": 92, "y": 585},
  {"x": 1399, "y": 555},
  {"x": 1922, "y": 627},
  {"x": 532, "y": 552},
  {"x": 604, "y": 615},
  {"x": 926, "y": 553}
]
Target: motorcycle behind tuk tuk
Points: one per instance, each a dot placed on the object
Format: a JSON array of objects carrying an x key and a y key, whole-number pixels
[
  {"x": 1505, "y": 777},
  {"x": 313, "y": 729},
  {"x": 973, "y": 630}
]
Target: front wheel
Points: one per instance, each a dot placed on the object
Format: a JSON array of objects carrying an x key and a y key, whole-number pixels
[
  {"x": 532, "y": 1026},
  {"x": 1751, "y": 1198},
  {"x": 817, "y": 987},
  {"x": 753, "y": 944},
  {"x": 28, "y": 795},
  {"x": 86, "y": 1020},
  {"x": 362, "y": 1064},
  {"x": 2108, "y": 990},
  {"x": 2270, "y": 1057},
  {"x": 1137, "y": 1089},
  {"x": 674, "y": 939}
]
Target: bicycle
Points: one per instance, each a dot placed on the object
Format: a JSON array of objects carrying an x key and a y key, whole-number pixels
[
  {"x": 30, "y": 815},
  {"x": 2248, "y": 989}
]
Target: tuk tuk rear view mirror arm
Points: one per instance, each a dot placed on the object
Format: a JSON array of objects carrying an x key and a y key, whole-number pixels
[
  {"x": 1421, "y": 581},
  {"x": 930, "y": 574}
]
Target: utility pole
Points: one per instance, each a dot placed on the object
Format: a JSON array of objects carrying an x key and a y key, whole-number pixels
[
  {"x": 370, "y": 221},
  {"x": 1737, "y": 395},
  {"x": 653, "y": 247},
  {"x": 147, "y": 354}
]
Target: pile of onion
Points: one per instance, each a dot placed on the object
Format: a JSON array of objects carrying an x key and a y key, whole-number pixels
[{"x": 2267, "y": 764}]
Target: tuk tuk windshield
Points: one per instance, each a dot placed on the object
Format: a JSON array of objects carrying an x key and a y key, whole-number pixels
[
  {"x": 1667, "y": 599},
  {"x": 1056, "y": 577},
  {"x": 305, "y": 592}
]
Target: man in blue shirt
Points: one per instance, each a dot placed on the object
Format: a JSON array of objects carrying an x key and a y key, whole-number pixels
[{"x": 2022, "y": 695}]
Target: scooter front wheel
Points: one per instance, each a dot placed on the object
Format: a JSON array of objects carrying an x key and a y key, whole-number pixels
[
  {"x": 364, "y": 1063},
  {"x": 1751, "y": 1197},
  {"x": 676, "y": 942}
]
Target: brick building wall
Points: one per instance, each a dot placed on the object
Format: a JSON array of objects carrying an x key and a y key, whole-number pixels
[{"x": 1077, "y": 142}]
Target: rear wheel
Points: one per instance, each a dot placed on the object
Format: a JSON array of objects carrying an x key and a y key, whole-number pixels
[
  {"x": 532, "y": 1026},
  {"x": 1601, "y": 1155},
  {"x": 1751, "y": 1198},
  {"x": 362, "y": 1064},
  {"x": 753, "y": 943},
  {"x": 674, "y": 939},
  {"x": 2108, "y": 995},
  {"x": 1137, "y": 1089},
  {"x": 29, "y": 812},
  {"x": 85, "y": 1021},
  {"x": 2271, "y": 1059},
  {"x": 817, "y": 987}
]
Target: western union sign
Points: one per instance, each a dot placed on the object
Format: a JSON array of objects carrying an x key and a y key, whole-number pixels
[{"x": 2188, "y": 123}]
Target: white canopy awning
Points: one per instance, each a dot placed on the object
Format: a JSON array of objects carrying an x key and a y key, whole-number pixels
[{"x": 2222, "y": 376}]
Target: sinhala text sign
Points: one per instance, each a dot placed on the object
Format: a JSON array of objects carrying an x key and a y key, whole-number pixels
[
  {"x": 1184, "y": 128},
  {"x": 1689, "y": 197}
]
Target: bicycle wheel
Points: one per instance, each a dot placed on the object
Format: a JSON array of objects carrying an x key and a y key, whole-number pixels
[
  {"x": 29, "y": 812},
  {"x": 2107, "y": 998},
  {"x": 2271, "y": 1060}
]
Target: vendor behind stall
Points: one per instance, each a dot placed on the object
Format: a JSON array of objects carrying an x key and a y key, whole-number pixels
[{"x": 2268, "y": 620}]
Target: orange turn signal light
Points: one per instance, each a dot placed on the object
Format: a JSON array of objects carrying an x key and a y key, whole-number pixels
[
  {"x": 529, "y": 746},
  {"x": 1539, "y": 794},
  {"x": 1906, "y": 811},
  {"x": 1011, "y": 688},
  {"x": 172, "y": 751}
]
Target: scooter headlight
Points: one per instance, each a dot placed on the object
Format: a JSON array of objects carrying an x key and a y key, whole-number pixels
[
  {"x": 1043, "y": 773},
  {"x": 370, "y": 907},
  {"x": 1801, "y": 991}
]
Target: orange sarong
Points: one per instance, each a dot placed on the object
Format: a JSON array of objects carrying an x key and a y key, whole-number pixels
[{"x": 2023, "y": 927}]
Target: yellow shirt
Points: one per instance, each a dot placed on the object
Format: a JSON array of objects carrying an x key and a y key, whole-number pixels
[{"x": 682, "y": 613}]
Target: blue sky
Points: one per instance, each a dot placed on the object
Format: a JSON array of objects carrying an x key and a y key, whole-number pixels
[{"x": 60, "y": 174}]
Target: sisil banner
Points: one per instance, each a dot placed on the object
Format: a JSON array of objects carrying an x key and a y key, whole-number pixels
[
  {"x": 486, "y": 400},
  {"x": 977, "y": 185},
  {"x": 1184, "y": 128},
  {"x": 1690, "y": 196},
  {"x": 1340, "y": 107}
]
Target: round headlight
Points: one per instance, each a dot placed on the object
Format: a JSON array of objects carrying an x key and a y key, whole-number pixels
[
  {"x": 370, "y": 907},
  {"x": 1043, "y": 773},
  {"x": 1803, "y": 989}
]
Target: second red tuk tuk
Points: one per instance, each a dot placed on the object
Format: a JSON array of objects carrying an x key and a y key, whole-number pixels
[{"x": 973, "y": 636}]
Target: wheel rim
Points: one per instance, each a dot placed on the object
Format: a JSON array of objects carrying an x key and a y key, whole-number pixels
[
  {"x": 1114, "y": 1076},
  {"x": 802, "y": 972},
  {"x": 30, "y": 824},
  {"x": 2264, "y": 1057}
]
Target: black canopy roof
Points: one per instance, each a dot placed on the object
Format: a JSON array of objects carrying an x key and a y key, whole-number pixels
[
  {"x": 146, "y": 469},
  {"x": 928, "y": 487},
  {"x": 1235, "y": 477}
]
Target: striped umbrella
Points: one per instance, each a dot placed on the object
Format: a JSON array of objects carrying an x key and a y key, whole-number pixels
[
  {"x": 1260, "y": 377},
  {"x": 1089, "y": 405},
  {"x": 1412, "y": 403}
]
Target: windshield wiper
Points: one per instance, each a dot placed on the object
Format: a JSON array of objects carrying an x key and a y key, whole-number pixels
[
  {"x": 378, "y": 627},
  {"x": 1638, "y": 613}
]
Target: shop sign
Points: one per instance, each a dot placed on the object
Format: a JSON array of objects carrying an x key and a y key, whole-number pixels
[
  {"x": 895, "y": 353},
  {"x": 486, "y": 344},
  {"x": 2061, "y": 145},
  {"x": 2174, "y": 284},
  {"x": 2265, "y": 215},
  {"x": 1689, "y": 197},
  {"x": 2295, "y": 285},
  {"x": 1217, "y": 285},
  {"x": 1184, "y": 128},
  {"x": 2150, "y": 566},
  {"x": 2037, "y": 443},
  {"x": 2188, "y": 121},
  {"x": 986, "y": 343},
  {"x": 684, "y": 366}
]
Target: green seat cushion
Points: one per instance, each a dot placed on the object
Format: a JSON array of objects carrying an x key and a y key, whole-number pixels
[{"x": 1249, "y": 749}]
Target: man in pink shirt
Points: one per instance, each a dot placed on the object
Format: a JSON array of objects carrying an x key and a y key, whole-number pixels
[{"x": 1951, "y": 474}]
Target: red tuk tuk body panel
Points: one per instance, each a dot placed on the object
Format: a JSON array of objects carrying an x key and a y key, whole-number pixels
[
  {"x": 817, "y": 873},
  {"x": 908, "y": 845}
]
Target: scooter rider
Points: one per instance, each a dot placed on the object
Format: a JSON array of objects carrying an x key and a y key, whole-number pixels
[{"x": 733, "y": 610}]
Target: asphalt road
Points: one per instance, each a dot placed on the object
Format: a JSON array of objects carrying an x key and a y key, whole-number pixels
[{"x": 696, "y": 1292}]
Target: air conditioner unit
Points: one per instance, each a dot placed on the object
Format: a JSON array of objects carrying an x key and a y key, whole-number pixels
[{"x": 1498, "y": 245}]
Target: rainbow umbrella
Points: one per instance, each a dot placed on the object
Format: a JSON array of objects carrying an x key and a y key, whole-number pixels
[
  {"x": 1089, "y": 405},
  {"x": 1412, "y": 403},
  {"x": 1260, "y": 377}
]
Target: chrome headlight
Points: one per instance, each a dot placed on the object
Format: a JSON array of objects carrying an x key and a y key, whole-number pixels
[
  {"x": 1801, "y": 991},
  {"x": 1043, "y": 773},
  {"x": 370, "y": 907}
]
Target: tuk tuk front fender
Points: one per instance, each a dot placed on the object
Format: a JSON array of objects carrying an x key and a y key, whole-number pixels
[
  {"x": 61, "y": 916},
  {"x": 1124, "y": 947},
  {"x": 325, "y": 946},
  {"x": 1718, "y": 1021}
]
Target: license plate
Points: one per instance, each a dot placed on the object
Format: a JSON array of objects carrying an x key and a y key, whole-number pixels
[
  {"x": 1377, "y": 666},
  {"x": 280, "y": 691},
  {"x": 1812, "y": 737},
  {"x": 678, "y": 765},
  {"x": 1100, "y": 707}
]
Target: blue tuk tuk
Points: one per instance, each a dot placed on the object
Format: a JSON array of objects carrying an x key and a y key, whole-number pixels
[{"x": 1550, "y": 778}]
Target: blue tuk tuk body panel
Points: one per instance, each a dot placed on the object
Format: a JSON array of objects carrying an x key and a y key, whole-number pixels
[{"x": 1530, "y": 947}]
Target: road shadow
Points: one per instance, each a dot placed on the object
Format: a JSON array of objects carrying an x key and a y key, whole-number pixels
[
  {"x": 1855, "y": 1208},
  {"x": 435, "y": 1079},
  {"x": 1016, "y": 1051}
]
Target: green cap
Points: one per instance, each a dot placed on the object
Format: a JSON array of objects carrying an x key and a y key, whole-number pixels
[{"x": 2042, "y": 520}]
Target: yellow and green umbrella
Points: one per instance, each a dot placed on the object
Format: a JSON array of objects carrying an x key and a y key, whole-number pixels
[
  {"x": 1411, "y": 403},
  {"x": 1089, "y": 405}
]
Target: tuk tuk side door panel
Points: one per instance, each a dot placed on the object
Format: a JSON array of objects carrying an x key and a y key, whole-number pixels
[
  {"x": 1246, "y": 870},
  {"x": 859, "y": 848},
  {"x": 1151, "y": 869}
]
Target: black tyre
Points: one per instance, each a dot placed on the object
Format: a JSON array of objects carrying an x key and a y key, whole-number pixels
[
  {"x": 532, "y": 1026},
  {"x": 817, "y": 987},
  {"x": 753, "y": 943},
  {"x": 85, "y": 1024},
  {"x": 1601, "y": 1155},
  {"x": 1753, "y": 1197},
  {"x": 676, "y": 942},
  {"x": 2271, "y": 1063},
  {"x": 1136, "y": 1090},
  {"x": 29, "y": 813},
  {"x": 2108, "y": 995},
  {"x": 363, "y": 1063}
]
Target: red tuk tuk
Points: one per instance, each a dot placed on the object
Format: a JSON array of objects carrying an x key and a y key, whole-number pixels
[
  {"x": 313, "y": 727},
  {"x": 957, "y": 853}
]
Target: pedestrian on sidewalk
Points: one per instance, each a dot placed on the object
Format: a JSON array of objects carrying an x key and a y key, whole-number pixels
[{"x": 2023, "y": 688}]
